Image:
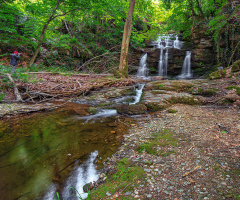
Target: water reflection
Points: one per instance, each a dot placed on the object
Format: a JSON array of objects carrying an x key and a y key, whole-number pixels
[{"x": 42, "y": 151}]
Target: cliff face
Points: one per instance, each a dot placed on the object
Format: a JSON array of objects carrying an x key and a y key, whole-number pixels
[{"x": 202, "y": 56}]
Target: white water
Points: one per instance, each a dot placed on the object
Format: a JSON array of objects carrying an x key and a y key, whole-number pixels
[
  {"x": 163, "y": 60},
  {"x": 138, "y": 93},
  {"x": 165, "y": 63},
  {"x": 160, "y": 64},
  {"x": 143, "y": 70},
  {"x": 167, "y": 41},
  {"x": 176, "y": 43},
  {"x": 52, "y": 189},
  {"x": 102, "y": 113},
  {"x": 186, "y": 69},
  {"x": 80, "y": 176}
]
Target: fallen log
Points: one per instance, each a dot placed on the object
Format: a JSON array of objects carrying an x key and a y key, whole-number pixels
[{"x": 17, "y": 94}]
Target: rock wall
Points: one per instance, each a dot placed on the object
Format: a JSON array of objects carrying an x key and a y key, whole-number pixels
[{"x": 202, "y": 59}]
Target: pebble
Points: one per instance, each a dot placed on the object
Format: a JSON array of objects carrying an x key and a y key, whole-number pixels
[
  {"x": 149, "y": 196},
  {"x": 166, "y": 192},
  {"x": 223, "y": 183},
  {"x": 183, "y": 164},
  {"x": 147, "y": 170},
  {"x": 135, "y": 192},
  {"x": 108, "y": 194},
  {"x": 128, "y": 193}
]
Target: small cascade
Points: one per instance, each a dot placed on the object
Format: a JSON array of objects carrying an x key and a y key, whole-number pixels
[
  {"x": 186, "y": 69},
  {"x": 143, "y": 70},
  {"x": 138, "y": 93},
  {"x": 176, "y": 43},
  {"x": 80, "y": 176},
  {"x": 167, "y": 41}
]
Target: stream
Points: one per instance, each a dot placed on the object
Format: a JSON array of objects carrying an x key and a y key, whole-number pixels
[{"x": 51, "y": 152}]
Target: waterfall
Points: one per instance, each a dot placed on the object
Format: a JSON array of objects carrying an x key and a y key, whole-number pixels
[
  {"x": 167, "y": 41},
  {"x": 160, "y": 64},
  {"x": 186, "y": 69},
  {"x": 165, "y": 63},
  {"x": 176, "y": 43},
  {"x": 143, "y": 70}
]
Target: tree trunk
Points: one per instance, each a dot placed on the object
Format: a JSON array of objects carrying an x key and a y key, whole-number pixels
[
  {"x": 43, "y": 33},
  {"x": 123, "y": 66}
]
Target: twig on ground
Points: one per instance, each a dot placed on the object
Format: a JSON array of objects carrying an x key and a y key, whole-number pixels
[{"x": 187, "y": 173}]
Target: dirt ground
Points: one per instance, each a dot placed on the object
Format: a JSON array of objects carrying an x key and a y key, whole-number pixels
[{"x": 204, "y": 164}]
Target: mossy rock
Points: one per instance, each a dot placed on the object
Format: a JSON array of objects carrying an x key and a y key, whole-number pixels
[
  {"x": 172, "y": 110},
  {"x": 218, "y": 74},
  {"x": 208, "y": 92},
  {"x": 134, "y": 109},
  {"x": 183, "y": 100},
  {"x": 92, "y": 110},
  {"x": 235, "y": 66},
  {"x": 154, "y": 106}
]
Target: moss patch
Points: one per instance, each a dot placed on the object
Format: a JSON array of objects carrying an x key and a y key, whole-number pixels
[
  {"x": 207, "y": 92},
  {"x": 217, "y": 74},
  {"x": 177, "y": 86},
  {"x": 172, "y": 110},
  {"x": 235, "y": 66},
  {"x": 124, "y": 180},
  {"x": 161, "y": 139},
  {"x": 154, "y": 106},
  {"x": 183, "y": 100}
]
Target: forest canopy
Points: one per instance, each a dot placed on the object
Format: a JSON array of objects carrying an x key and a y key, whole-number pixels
[{"x": 89, "y": 28}]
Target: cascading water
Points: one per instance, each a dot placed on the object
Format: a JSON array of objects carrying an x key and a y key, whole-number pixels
[
  {"x": 167, "y": 41},
  {"x": 176, "y": 43},
  {"x": 165, "y": 63},
  {"x": 186, "y": 69},
  {"x": 160, "y": 64},
  {"x": 163, "y": 60},
  {"x": 82, "y": 174},
  {"x": 143, "y": 70},
  {"x": 138, "y": 93}
]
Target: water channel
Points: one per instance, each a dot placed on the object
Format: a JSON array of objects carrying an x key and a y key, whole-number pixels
[{"x": 50, "y": 152}]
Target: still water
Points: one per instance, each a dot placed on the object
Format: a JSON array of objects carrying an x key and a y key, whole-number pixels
[{"x": 51, "y": 152}]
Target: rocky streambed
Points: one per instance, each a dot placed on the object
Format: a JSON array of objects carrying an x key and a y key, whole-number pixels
[{"x": 184, "y": 145}]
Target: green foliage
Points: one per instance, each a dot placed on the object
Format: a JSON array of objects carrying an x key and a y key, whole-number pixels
[{"x": 2, "y": 97}]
